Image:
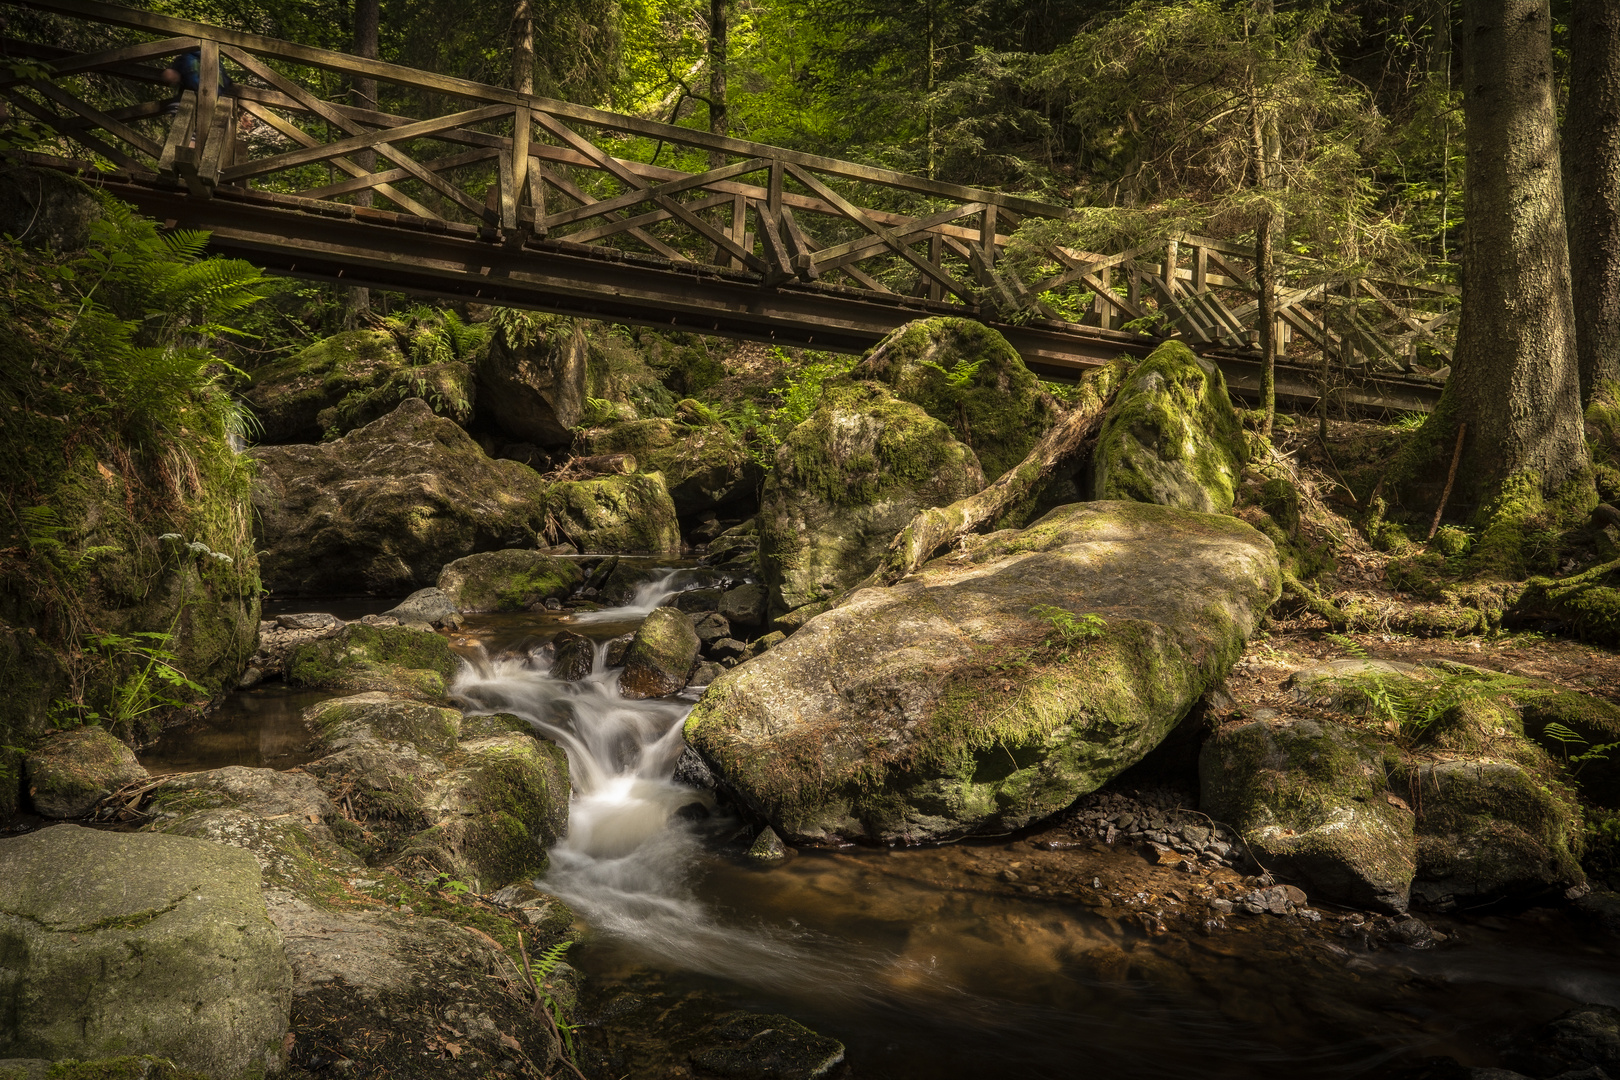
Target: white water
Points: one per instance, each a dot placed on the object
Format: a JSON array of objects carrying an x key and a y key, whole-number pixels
[
  {"x": 628, "y": 862},
  {"x": 654, "y": 592}
]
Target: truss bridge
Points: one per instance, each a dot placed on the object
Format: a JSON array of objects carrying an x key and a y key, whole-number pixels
[{"x": 474, "y": 191}]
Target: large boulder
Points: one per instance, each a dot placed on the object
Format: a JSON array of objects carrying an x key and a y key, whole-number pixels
[
  {"x": 382, "y": 509},
  {"x": 348, "y": 380},
  {"x": 121, "y": 943},
  {"x": 703, "y": 464},
  {"x": 511, "y": 580},
  {"x": 362, "y": 658},
  {"x": 661, "y": 655},
  {"x": 973, "y": 697},
  {"x": 967, "y": 376},
  {"x": 1308, "y": 798},
  {"x": 72, "y": 771},
  {"x": 431, "y": 791},
  {"x": 1171, "y": 437},
  {"x": 625, "y": 515},
  {"x": 846, "y": 481},
  {"x": 1489, "y": 828},
  {"x": 531, "y": 385}
]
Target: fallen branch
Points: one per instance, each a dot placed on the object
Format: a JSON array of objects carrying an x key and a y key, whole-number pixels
[
  {"x": 938, "y": 527},
  {"x": 1451, "y": 478}
]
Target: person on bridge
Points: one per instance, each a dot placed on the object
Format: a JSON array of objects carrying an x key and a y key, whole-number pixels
[{"x": 182, "y": 74}]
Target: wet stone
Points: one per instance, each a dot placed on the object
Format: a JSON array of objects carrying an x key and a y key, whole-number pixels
[
  {"x": 768, "y": 847},
  {"x": 751, "y": 1046}
]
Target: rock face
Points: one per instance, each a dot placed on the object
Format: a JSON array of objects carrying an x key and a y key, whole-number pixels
[
  {"x": 431, "y": 606},
  {"x": 112, "y": 942},
  {"x": 628, "y": 515},
  {"x": 361, "y": 657},
  {"x": 1308, "y": 797},
  {"x": 531, "y": 385},
  {"x": 1171, "y": 436},
  {"x": 346, "y": 381},
  {"x": 1490, "y": 828},
  {"x": 382, "y": 509},
  {"x": 661, "y": 655},
  {"x": 511, "y": 580},
  {"x": 887, "y": 718},
  {"x": 74, "y": 770},
  {"x": 703, "y": 464},
  {"x": 966, "y": 375},
  {"x": 481, "y": 807},
  {"x": 846, "y": 480}
]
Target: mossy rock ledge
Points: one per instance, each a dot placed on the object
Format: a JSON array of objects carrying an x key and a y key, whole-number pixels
[
  {"x": 967, "y": 376},
  {"x": 614, "y": 515},
  {"x": 511, "y": 580},
  {"x": 116, "y": 943},
  {"x": 1171, "y": 437},
  {"x": 703, "y": 464},
  {"x": 382, "y": 509},
  {"x": 346, "y": 381},
  {"x": 947, "y": 706},
  {"x": 361, "y": 657},
  {"x": 72, "y": 771},
  {"x": 846, "y": 481}
]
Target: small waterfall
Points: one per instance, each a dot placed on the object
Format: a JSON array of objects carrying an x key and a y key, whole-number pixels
[
  {"x": 654, "y": 592},
  {"x": 628, "y": 862}
]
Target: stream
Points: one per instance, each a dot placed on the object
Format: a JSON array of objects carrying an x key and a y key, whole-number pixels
[{"x": 925, "y": 963}]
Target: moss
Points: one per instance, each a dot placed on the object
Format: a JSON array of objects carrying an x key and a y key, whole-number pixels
[
  {"x": 144, "y": 1067},
  {"x": 1172, "y": 436},
  {"x": 631, "y": 515},
  {"x": 968, "y": 377},
  {"x": 1589, "y": 601},
  {"x": 1603, "y": 424},
  {"x": 362, "y": 657},
  {"x": 514, "y": 579}
]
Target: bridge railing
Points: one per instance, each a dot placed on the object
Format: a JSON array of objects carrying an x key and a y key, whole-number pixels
[{"x": 272, "y": 122}]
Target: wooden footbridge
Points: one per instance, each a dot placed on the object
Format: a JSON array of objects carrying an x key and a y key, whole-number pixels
[{"x": 483, "y": 193}]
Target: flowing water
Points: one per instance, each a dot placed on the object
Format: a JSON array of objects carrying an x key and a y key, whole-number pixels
[{"x": 929, "y": 966}]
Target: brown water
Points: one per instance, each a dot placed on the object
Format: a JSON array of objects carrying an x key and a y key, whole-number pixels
[{"x": 261, "y": 728}]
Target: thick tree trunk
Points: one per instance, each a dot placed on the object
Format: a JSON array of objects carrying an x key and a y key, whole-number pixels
[
  {"x": 357, "y": 305},
  {"x": 1513, "y": 380},
  {"x": 1592, "y": 188},
  {"x": 936, "y": 528}
]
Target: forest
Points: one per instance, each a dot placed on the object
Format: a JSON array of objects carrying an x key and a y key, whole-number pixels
[{"x": 779, "y": 539}]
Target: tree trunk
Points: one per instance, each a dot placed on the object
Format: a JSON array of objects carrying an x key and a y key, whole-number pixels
[
  {"x": 1592, "y": 189},
  {"x": 363, "y": 95},
  {"x": 523, "y": 51},
  {"x": 1514, "y": 380},
  {"x": 940, "y": 526},
  {"x": 1264, "y": 148},
  {"x": 719, "y": 122}
]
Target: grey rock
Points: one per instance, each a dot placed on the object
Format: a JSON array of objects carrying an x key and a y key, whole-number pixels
[
  {"x": 699, "y": 600},
  {"x": 309, "y": 620},
  {"x": 693, "y": 771},
  {"x": 119, "y": 943},
  {"x": 72, "y": 771},
  {"x": 744, "y": 605},
  {"x": 705, "y": 673},
  {"x": 575, "y": 653},
  {"x": 429, "y": 605},
  {"x": 617, "y": 648},
  {"x": 711, "y": 626},
  {"x": 727, "y": 648}
]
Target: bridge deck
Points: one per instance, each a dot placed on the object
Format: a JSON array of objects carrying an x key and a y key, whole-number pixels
[{"x": 508, "y": 198}]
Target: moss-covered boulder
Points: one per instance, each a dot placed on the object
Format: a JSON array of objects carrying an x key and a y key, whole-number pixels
[
  {"x": 348, "y": 380},
  {"x": 736, "y": 548},
  {"x": 976, "y": 696},
  {"x": 1554, "y": 715},
  {"x": 362, "y": 658},
  {"x": 494, "y": 812},
  {"x": 1171, "y": 437},
  {"x": 511, "y": 580},
  {"x": 703, "y": 464},
  {"x": 629, "y": 515},
  {"x": 661, "y": 655},
  {"x": 72, "y": 771},
  {"x": 1308, "y": 797},
  {"x": 531, "y": 384},
  {"x": 966, "y": 375},
  {"x": 126, "y": 943},
  {"x": 1489, "y": 828},
  {"x": 480, "y": 804},
  {"x": 845, "y": 482},
  {"x": 382, "y": 509}
]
